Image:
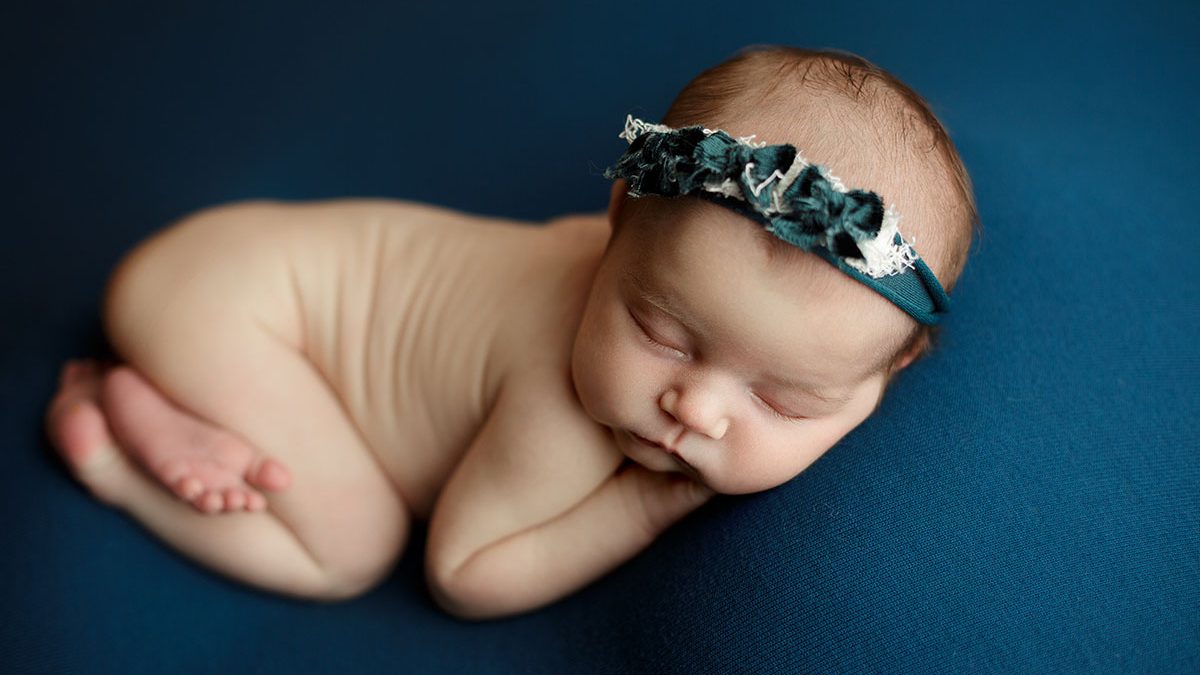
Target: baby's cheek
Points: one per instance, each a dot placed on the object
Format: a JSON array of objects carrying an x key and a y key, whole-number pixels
[
  {"x": 595, "y": 383},
  {"x": 750, "y": 462},
  {"x": 765, "y": 456}
]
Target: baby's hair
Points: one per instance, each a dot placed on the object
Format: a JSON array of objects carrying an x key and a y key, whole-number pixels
[{"x": 775, "y": 84}]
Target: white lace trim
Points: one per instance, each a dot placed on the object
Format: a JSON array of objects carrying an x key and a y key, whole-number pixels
[{"x": 881, "y": 256}]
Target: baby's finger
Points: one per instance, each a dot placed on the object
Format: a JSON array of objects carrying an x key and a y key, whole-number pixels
[{"x": 659, "y": 499}]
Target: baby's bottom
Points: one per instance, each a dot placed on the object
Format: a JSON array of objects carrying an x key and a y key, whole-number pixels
[{"x": 199, "y": 313}]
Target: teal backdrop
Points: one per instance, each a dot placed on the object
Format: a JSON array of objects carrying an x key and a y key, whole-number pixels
[{"x": 1026, "y": 500}]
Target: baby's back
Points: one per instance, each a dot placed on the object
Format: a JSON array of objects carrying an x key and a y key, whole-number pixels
[
  {"x": 415, "y": 314},
  {"x": 365, "y": 359}
]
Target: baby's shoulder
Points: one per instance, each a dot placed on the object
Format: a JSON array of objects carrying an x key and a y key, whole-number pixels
[
  {"x": 540, "y": 424},
  {"x": 538, "y": 371},
  {"x": 585, "y": 230},
  {"x": 552, "y": 266}
]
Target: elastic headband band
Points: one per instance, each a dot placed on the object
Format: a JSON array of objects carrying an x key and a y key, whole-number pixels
[{"x": 800, "y": 203}]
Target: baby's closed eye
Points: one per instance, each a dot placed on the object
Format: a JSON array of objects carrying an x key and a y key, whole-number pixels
[
  {"x": 776, "y": 410},
  {"x": 651, "y": 338}
]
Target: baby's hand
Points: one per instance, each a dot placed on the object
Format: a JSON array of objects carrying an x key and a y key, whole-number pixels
[
  {"x": 658, "y": 499},
  {"x": 545, "y": 562}
]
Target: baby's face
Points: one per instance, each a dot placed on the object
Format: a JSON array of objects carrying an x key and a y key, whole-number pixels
[{"x": 743, "y": 372}]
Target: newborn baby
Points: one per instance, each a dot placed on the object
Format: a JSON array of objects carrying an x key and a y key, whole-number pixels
[{"x": 300, "y": 380}]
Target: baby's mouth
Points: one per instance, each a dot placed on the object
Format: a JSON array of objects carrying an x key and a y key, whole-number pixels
[
  {"x": 647, "y": 441},
  {"x": 675, "y": 455}
]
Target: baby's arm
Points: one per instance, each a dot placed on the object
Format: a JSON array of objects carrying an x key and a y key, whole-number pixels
[{"x": 535, "y": 511}]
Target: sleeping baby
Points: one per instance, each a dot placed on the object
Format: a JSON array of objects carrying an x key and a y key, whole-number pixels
[{"x": 298, "y": 381}]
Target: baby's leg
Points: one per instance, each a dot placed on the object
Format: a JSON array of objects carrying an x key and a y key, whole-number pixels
[
  {"x": 204, "y": 464},
  {"x": 194, "y": 314},
  {"x": 260, "y": 550}
]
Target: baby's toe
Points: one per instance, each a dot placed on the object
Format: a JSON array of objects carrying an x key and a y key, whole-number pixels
[
  {"x": 189, "y": 487},
  {"x": 269, "y": 475},
  {"x": 209, "y": 502},
  {"x": 234, "y": 499},
  {"x": 255, "y": 502}
]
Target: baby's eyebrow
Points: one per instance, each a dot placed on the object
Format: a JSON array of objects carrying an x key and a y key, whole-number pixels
[
  {"x": 815, "y": 392},
  {"x": 664, "y": 304},
  {"x": 669, "y": 308}
]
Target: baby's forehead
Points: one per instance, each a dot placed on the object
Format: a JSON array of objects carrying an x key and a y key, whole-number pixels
[
  {"x": 694, "y": 236},
  {"x": 801, "y": 311},
  {"x": 722, "y": 242}
]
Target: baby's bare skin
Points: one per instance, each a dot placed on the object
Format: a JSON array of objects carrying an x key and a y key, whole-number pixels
[
  {"x": 352, "y": 363},
  {"x": 414, "y": 315},
  {"x": 321, "y": 373}
]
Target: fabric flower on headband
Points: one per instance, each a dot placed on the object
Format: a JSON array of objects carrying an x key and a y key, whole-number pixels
[{"x": 798, "y": 202}]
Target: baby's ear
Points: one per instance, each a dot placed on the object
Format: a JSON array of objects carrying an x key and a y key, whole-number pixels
[
  {"x": 905, "y": 359},
  {"x": 914, "y": 351}
]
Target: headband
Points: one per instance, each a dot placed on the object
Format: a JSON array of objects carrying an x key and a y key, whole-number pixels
[{"x": 800, "y": 203}]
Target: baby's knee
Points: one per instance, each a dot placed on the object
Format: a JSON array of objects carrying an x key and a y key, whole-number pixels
[
  {"x": 351, "y": 577},
  {"x": 336, "y": 589}
]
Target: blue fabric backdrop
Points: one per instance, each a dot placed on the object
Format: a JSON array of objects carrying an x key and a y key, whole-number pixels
[{"x": 1026, "y": 499}]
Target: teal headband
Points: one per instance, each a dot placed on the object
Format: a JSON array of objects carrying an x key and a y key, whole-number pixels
[{"x": 800, "y": 203}]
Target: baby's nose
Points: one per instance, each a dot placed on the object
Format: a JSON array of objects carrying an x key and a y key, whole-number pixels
[{"x": 697, "y": 411}]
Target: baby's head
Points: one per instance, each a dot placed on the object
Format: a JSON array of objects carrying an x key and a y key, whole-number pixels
[{"x": 746, "y": 356}]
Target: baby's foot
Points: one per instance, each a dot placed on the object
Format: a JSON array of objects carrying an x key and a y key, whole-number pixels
[
  {"x": 78, "y": 432},
  {"x": 203, "y": 464}
]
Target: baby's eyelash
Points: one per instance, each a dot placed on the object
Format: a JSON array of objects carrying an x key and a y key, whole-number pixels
[
  {"x": 650, "y": 338},
  {"x": 776, "y": 413}
]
